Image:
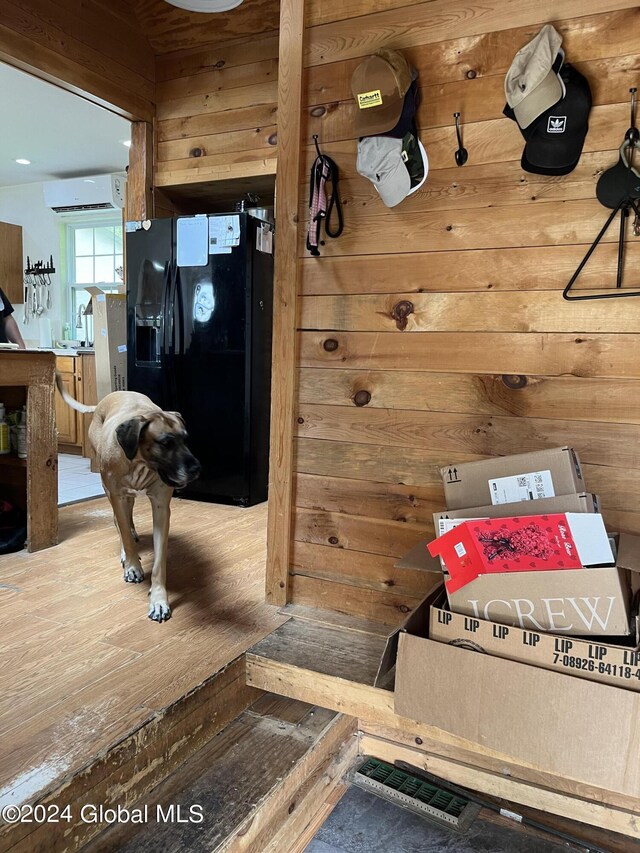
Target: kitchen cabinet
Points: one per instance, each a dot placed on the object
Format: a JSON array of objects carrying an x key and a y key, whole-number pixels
[
  {"x": 11, "y": 262},
  {"x": 78, "y": 375},
  {"x": 66, "y": 420}
]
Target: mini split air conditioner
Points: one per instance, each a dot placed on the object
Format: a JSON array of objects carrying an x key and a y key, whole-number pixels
[{"x": 96, "y": 192}]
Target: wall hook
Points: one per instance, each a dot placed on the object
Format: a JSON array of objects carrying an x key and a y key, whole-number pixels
[{"x": 461, "y": 155}]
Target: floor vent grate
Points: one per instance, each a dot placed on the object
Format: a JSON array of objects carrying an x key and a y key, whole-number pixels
[{"x": 414, "y": 794}]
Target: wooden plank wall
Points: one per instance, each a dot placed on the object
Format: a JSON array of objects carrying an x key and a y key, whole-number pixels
[
  {"x": 170, "y": 28},
  {"x": 217, "y": 112},
  {"x": 490, "y": 359},
  {"x": 96, "y": 47}
]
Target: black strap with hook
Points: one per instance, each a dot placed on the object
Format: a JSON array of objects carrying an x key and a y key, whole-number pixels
[
  {"x": 321, "y": 204},
  {"x": 619, "y": 189}
]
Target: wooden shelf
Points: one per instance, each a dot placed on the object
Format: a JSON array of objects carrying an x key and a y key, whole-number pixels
[{"x": 13, "y": 461}]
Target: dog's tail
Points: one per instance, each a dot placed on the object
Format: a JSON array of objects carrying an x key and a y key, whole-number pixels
[{"x": 70, "y": 401}]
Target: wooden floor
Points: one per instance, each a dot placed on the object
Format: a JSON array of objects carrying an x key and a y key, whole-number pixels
[{"x": 82, "y": 666}]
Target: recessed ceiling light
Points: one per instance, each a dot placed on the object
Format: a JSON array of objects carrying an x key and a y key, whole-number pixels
[
  {"x": 206, "y": 5},
  {"x": 127, "y": 143},
  {"x": 23, "y": 162}
]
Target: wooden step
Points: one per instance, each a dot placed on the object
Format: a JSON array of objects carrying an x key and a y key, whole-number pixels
[
  {"x": 312, "y": 658},
  {"x": 142, "y": 759},
  {"x": 259, "y": 785}
]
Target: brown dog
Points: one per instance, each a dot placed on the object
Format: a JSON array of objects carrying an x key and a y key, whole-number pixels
[{"x": 139, "y": 448}]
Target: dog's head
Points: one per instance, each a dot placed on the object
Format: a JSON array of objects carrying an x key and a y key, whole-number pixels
[{"x": 159, "y": 439}]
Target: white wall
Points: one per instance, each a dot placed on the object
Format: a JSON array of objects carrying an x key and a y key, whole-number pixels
[{"x": 41, "y": 228}]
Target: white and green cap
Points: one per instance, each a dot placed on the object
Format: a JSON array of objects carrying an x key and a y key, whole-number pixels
[
  {"x": 396, "y": 167},
  {"x": 532, "y": 84}
]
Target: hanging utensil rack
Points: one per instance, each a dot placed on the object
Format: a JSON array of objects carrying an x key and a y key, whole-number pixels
[{"x": 37, "y": 287}]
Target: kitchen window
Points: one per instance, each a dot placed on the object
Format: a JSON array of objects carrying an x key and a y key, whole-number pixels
[{"x": 94, "y": 257}]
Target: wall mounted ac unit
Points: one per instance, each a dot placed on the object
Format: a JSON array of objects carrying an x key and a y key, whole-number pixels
[{"x": 95, "y": 192}]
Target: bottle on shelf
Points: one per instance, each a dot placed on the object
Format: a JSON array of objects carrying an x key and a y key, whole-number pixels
[
  {"x": 22, "y": 434},
  {"x": 5, "y": 447}
]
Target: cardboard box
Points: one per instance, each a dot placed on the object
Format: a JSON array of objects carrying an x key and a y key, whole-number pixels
[
  {"x": 593, "y": 601},
  {"x": 510, "y": 479},
  {"x": 561, "y": 503},
  {"x": 558, "y": 541},
  {"x": 606, "y": 662},
  {"x": 110, "y": 340},
  {"x": 578, "y": 729},
  {"x": 571, "y": 727}
]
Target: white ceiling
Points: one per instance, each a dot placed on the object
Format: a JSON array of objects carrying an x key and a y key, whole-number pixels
[{"x": 63, "y": 135}]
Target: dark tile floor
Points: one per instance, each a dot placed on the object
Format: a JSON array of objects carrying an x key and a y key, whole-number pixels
[{"x": 364, "y": 823}]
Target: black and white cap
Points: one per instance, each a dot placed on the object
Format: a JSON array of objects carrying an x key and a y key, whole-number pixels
[{"x": 555, "y": 139}]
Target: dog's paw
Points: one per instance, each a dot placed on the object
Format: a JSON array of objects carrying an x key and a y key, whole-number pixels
[
  {"x": 160, "y": 611},
  {"x": 133, "y": 574}
]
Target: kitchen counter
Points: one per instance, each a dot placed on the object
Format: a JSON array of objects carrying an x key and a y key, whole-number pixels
[
  {"x": 27, "y": 376},
  {"x": 68, "y": 351}
]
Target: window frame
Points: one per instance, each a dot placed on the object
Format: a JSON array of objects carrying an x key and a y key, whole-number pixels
[{"x": 71, "y": 226}]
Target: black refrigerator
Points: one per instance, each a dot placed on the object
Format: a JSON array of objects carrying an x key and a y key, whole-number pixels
[{"x": 199, "y": 343}]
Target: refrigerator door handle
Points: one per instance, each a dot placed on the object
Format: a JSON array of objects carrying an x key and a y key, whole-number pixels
[
  {"x": 168, "y": 346},
  {"x": 166, "y": 302},
  {"x": 178, "y": 303}
]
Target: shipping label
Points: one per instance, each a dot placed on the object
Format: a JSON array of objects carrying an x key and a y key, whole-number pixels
[{"x": 521, "y": 487}]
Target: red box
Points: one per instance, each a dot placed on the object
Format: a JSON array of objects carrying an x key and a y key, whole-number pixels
[{"x": 522, "y": 544}]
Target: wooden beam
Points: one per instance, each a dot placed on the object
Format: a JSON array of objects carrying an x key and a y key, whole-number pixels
[
  {"x": 284, "y": 300},
  {"x": 42, "y": 467},
  {"x": 376, "y": 706},
  {"x": 314, "y": 801},
  {"x": 573, "y": 807},
  {"x": 18, "y": 50},
  {"x": 140, "y": 174}
]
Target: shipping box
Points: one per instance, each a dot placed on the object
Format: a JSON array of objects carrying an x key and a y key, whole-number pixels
[
  {"x": 509, "y": 479},
  {"x": 568, "y": 726},
  {"x": 607, "y": 661},
  {"x": 562, "y": 503},
  {"x": 110, "y": 340},
  {"x": 594, "y": 601}
]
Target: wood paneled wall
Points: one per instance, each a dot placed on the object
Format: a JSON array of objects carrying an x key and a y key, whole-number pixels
[
  {"x": 96, "y": 48},
  {"x": 170, "y": 28},
  {"x": 490, "y": 360},
  {"x": 217, "y": 112}
]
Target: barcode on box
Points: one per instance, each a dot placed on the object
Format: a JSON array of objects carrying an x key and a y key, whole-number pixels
[
  {"x": 522, "y": 481},
  {"x": 460, "y": 549}
]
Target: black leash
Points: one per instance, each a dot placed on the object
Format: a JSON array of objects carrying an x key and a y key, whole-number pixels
[{"x": 321, "y": 204}]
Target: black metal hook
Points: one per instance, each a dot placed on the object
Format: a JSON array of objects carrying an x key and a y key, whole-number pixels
[
  {"x": 633, "y": 131},
  {"x": 315, "y": 142},
  {"x": 461, "y": 155}
]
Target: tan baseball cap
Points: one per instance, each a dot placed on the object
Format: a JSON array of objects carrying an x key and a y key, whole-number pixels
[
  {"x": 379, "y": 85},
  {"x": 532, "y": 85}
]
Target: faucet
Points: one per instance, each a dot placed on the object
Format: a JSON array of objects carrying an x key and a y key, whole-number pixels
[{"x": 79, "y": 317}]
